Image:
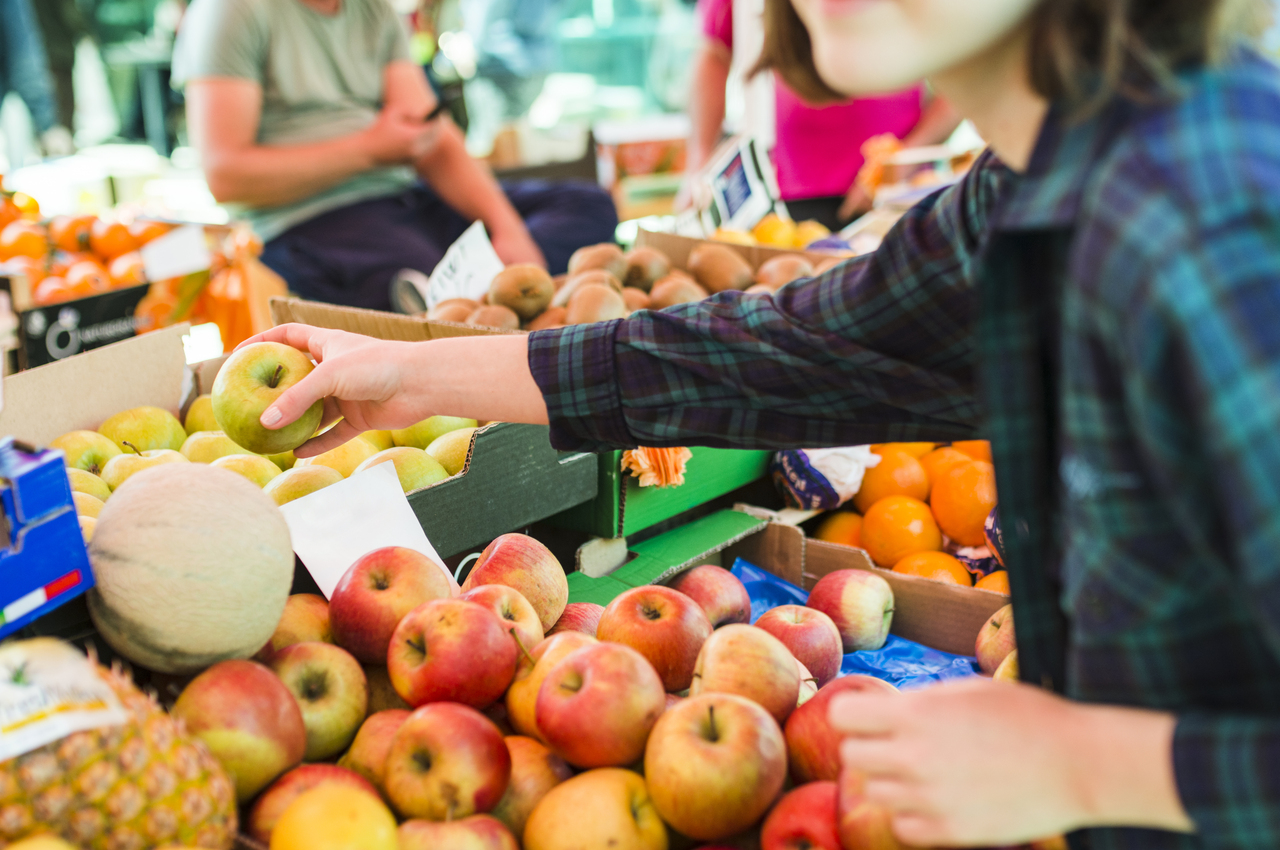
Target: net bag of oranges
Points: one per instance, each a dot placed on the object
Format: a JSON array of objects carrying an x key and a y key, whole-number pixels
[{"x": 821, "y": 479}]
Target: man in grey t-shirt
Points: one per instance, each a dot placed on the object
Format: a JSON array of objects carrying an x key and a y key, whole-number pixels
[{"x": 314, "y": 124}]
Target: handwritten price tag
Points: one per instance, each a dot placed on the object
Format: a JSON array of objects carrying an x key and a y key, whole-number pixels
[{"x": 466, "y": 270}]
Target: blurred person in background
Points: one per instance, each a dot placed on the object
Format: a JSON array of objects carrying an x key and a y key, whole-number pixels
[
  {"x": 818, "y": 149},
  {"x": 63, "y": 26},
  {"x": 314, "y": 122},
  {"x": 24, "y": 68}
]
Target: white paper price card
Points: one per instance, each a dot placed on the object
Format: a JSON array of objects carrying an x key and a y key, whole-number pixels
[
  {"x": 332, "y": 528},
  {"x": 179, "y": 252},
  {"x": 466, "y": 270}
]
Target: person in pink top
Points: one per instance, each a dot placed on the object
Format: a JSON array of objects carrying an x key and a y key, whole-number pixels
[{"x": 818, "y": 149}]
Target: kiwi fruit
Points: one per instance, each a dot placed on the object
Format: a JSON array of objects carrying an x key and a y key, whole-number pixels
[
  {"x": 452, "y": 310},
  {"x": 644, "y": 266},
  {"x": 782, "y": 269},
  {"x": 525, "y": 288},
  {"x": 495, "y": 316},
  {"x": 560, "y": 280},
  {"x": 552, "y": 317},
  {"x": 758, "y": 288},
  {"x": 828, "y": 264},
  {"x": 599, "y": 276},
  {"x": 637, "y": 299},
  {"x": 595, "y": 302},
  {"x": 674, "y": 290},
  {"x": 605, "y": 256},
  {"x": 718, "y": 267}
]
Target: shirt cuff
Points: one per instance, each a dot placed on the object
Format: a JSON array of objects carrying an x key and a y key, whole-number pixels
[
  {"x": 1227, "y": 770},
  {"x": 576, "y": 370}
]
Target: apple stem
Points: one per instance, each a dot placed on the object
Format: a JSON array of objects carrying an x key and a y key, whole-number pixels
[
  {"x": 130, "y": 446},
  {"x": 711, "y": 720},
  {"x": 520, "y": 644},
  {"x": 275, "y": 376}
]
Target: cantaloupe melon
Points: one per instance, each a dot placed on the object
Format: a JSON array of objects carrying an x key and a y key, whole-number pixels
[{"x": 193, "y": 566}]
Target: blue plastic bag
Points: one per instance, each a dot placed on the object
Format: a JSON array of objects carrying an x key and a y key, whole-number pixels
[{"x": 900, "y": 662}]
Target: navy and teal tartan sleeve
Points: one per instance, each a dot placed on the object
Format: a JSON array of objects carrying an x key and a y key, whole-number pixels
[{"x": 879, "y": 348}]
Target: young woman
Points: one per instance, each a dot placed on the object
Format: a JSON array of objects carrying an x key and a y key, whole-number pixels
[{"x": 1100, "y": 297}]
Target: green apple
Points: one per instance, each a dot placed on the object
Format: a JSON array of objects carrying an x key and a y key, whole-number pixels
[
  {"x": 120, "y": 467},
  {"x": 208, "y": 446},
  {"x": 381, "y": 440},
  {"x": 284, "y": 460},
  {"x": 145, "y": 428},
  {"x": 87, "y": 482},
  {"x": 256, "y": 468},
  {"x": 250, "y": 382},
  {"x": 200, "y": 416},
  {"x": 87, "y": 450},
  {"x": 345, "y": 458},
  {"x": 451, "y": 449},
  {"x": 87, "y": 505},
  {"x": 429, "y": 430},
  {"x": 87, "y": 524},
  {"x": 414, "y": 467},
  {"x": 300, "y": 481}
]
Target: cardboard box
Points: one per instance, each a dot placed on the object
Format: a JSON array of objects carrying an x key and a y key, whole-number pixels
[
  {"x": 677, "y": 248},
  {"x": 512, "y": 478},
  {"x": 942, "y": 616},
  {"x": 58, "y": 331}
]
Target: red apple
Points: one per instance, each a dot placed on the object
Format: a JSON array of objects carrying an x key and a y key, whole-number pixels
[
  {"x": 812, "y": 745},
  {"x": 604, "y": 808},
  {"x": 451, "y": 650},
  {"x": 578, "y": 617},
  {"x": 750, "y": 662},
  {"x": 272, "y": 802},
  {"x": 596, "y": 706},
  {"x": 714, "y": 764},
  {"x": 382, "y": 695},
  {"x": 663, "y": 625},
  {"x": 519, "y": 561},
  {"x": 859, "y": 602},
  {"x": 512, "y": 608},
  {"x": 722, "y": 597},
  {"x": 804, "y": 819},
  {"x": 446, "y": 761},
  {"x": 330, "y": 689},
  {"x": 522, "y": 696},
  {"x": 305, "y": 618},
  {"x": 375, "y": 594},
  {"x": 811, "y": 636},
  {"x": 673, "y": 700},
  {"x": 249, "y": 721},
  {"x": 808, "y": 685},
  {"x": 535, "y": 770},
  {"x": 477, "y": 832},
  {"x": 995, "y": 640},
  {"x": 860, "y": 822},
  {"x": 368, "y": 753}
]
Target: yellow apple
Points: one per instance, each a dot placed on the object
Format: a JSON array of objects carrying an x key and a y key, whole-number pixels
[
  {"x": 451, "y": 449},
  {"x": 86, "y": 450},
  {"x": 300, "y": 481},
  {"x": 256, "y": 468},
  {"x": 345, "y": 458},
  {"x": 200, "y": 416},
  {"x": 380, "y": 440},
  {"x": 144, "y": 429},
  {"x": 208, "y": 446},
  {"x": 120, "y": 467},
  {"x": 414, "y": 467},
  {"x": 424, "y": 433},
  {"x": 87, "y": 482},
  {"x": 87, "y": 505}
]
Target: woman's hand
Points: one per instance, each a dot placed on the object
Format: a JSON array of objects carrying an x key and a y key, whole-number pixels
[
  {"x": 364, "y": 381},
  {"x": 983, "y": 762}
]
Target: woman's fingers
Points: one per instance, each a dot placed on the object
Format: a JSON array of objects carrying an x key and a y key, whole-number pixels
[
  {"x": 295, "y": 401},
  {"x": 869, "y": 712},
  {"x": 302, "y": 337},
  {"x": 341, "y": 433},
  {"x": 876, "y": 757}
]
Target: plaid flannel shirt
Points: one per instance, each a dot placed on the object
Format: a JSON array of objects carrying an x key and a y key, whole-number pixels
[{"x": 1110, "y": 319}]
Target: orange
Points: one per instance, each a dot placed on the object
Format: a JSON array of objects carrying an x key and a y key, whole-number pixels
[
  {"x": 126, "y": 270},
  {"x": 154, "y": 311},
  {"x": 897, "y": 474},
  {"x": 143, "y": 230},
  {"x": 110, "y": 239},
  {"x": 334, "y": 816},
  {"x": 52, "y": 290},
  {"x": 962, "y": 498},
  {"x": 87, "y": 277},
  {"x": 916, "y": 450},
  {"x": 938, "y": 461},
  {"x": 997, "y": 582},
  {"x": 9, "y": 211},
  {"x": 897, "y": 526},
  {"x": 844, "y": 527},
  {"x": 23, "y": 239},
  {"x": 976, "y": 449},
  {"x": 70, "y": 232},
  {"x": 935, "y": 566},
  {"x": 34, "y": 270}
]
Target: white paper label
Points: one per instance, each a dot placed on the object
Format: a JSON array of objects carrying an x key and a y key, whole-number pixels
[
  {"x": 466, "y": 270},
  {"x": 332, "y": 528},
  {"x": 48, "y": 690},
  {"x": 179, "y": 252}
]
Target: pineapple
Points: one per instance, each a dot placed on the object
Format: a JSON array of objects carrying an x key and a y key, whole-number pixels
[{"x": 134, "y": 785}]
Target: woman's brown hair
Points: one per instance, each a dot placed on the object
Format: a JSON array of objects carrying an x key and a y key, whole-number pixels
[{"x": 1083, "y": 51}]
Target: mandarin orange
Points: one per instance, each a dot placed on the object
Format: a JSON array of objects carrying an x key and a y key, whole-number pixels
[
  {"x": 24, "y": 239},
  {"x": 843, "y": 527},
  {"x": 938, "y": 461},
  {"x": 144, "y": 230},
  {"x": 916, "y": 450},
  {"x": 897, "y": 474},
  {"x": 127, "y": 270},
  {"x": 70, "y": 232},
  {"x": 997, "y": 582},
  {"x": 962, "y": 498},
  {"x": 897, "y": 526},
  {"x": 976, "y": 449},
  {"x": 52, "y": 290},
  {"x": 110, "y": 239},
  {"x": 87, "y": 277},
  {"x": 935, "y": 566}
]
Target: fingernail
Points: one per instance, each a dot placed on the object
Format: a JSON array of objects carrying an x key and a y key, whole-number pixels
[{"x": 271, "y": 416}]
